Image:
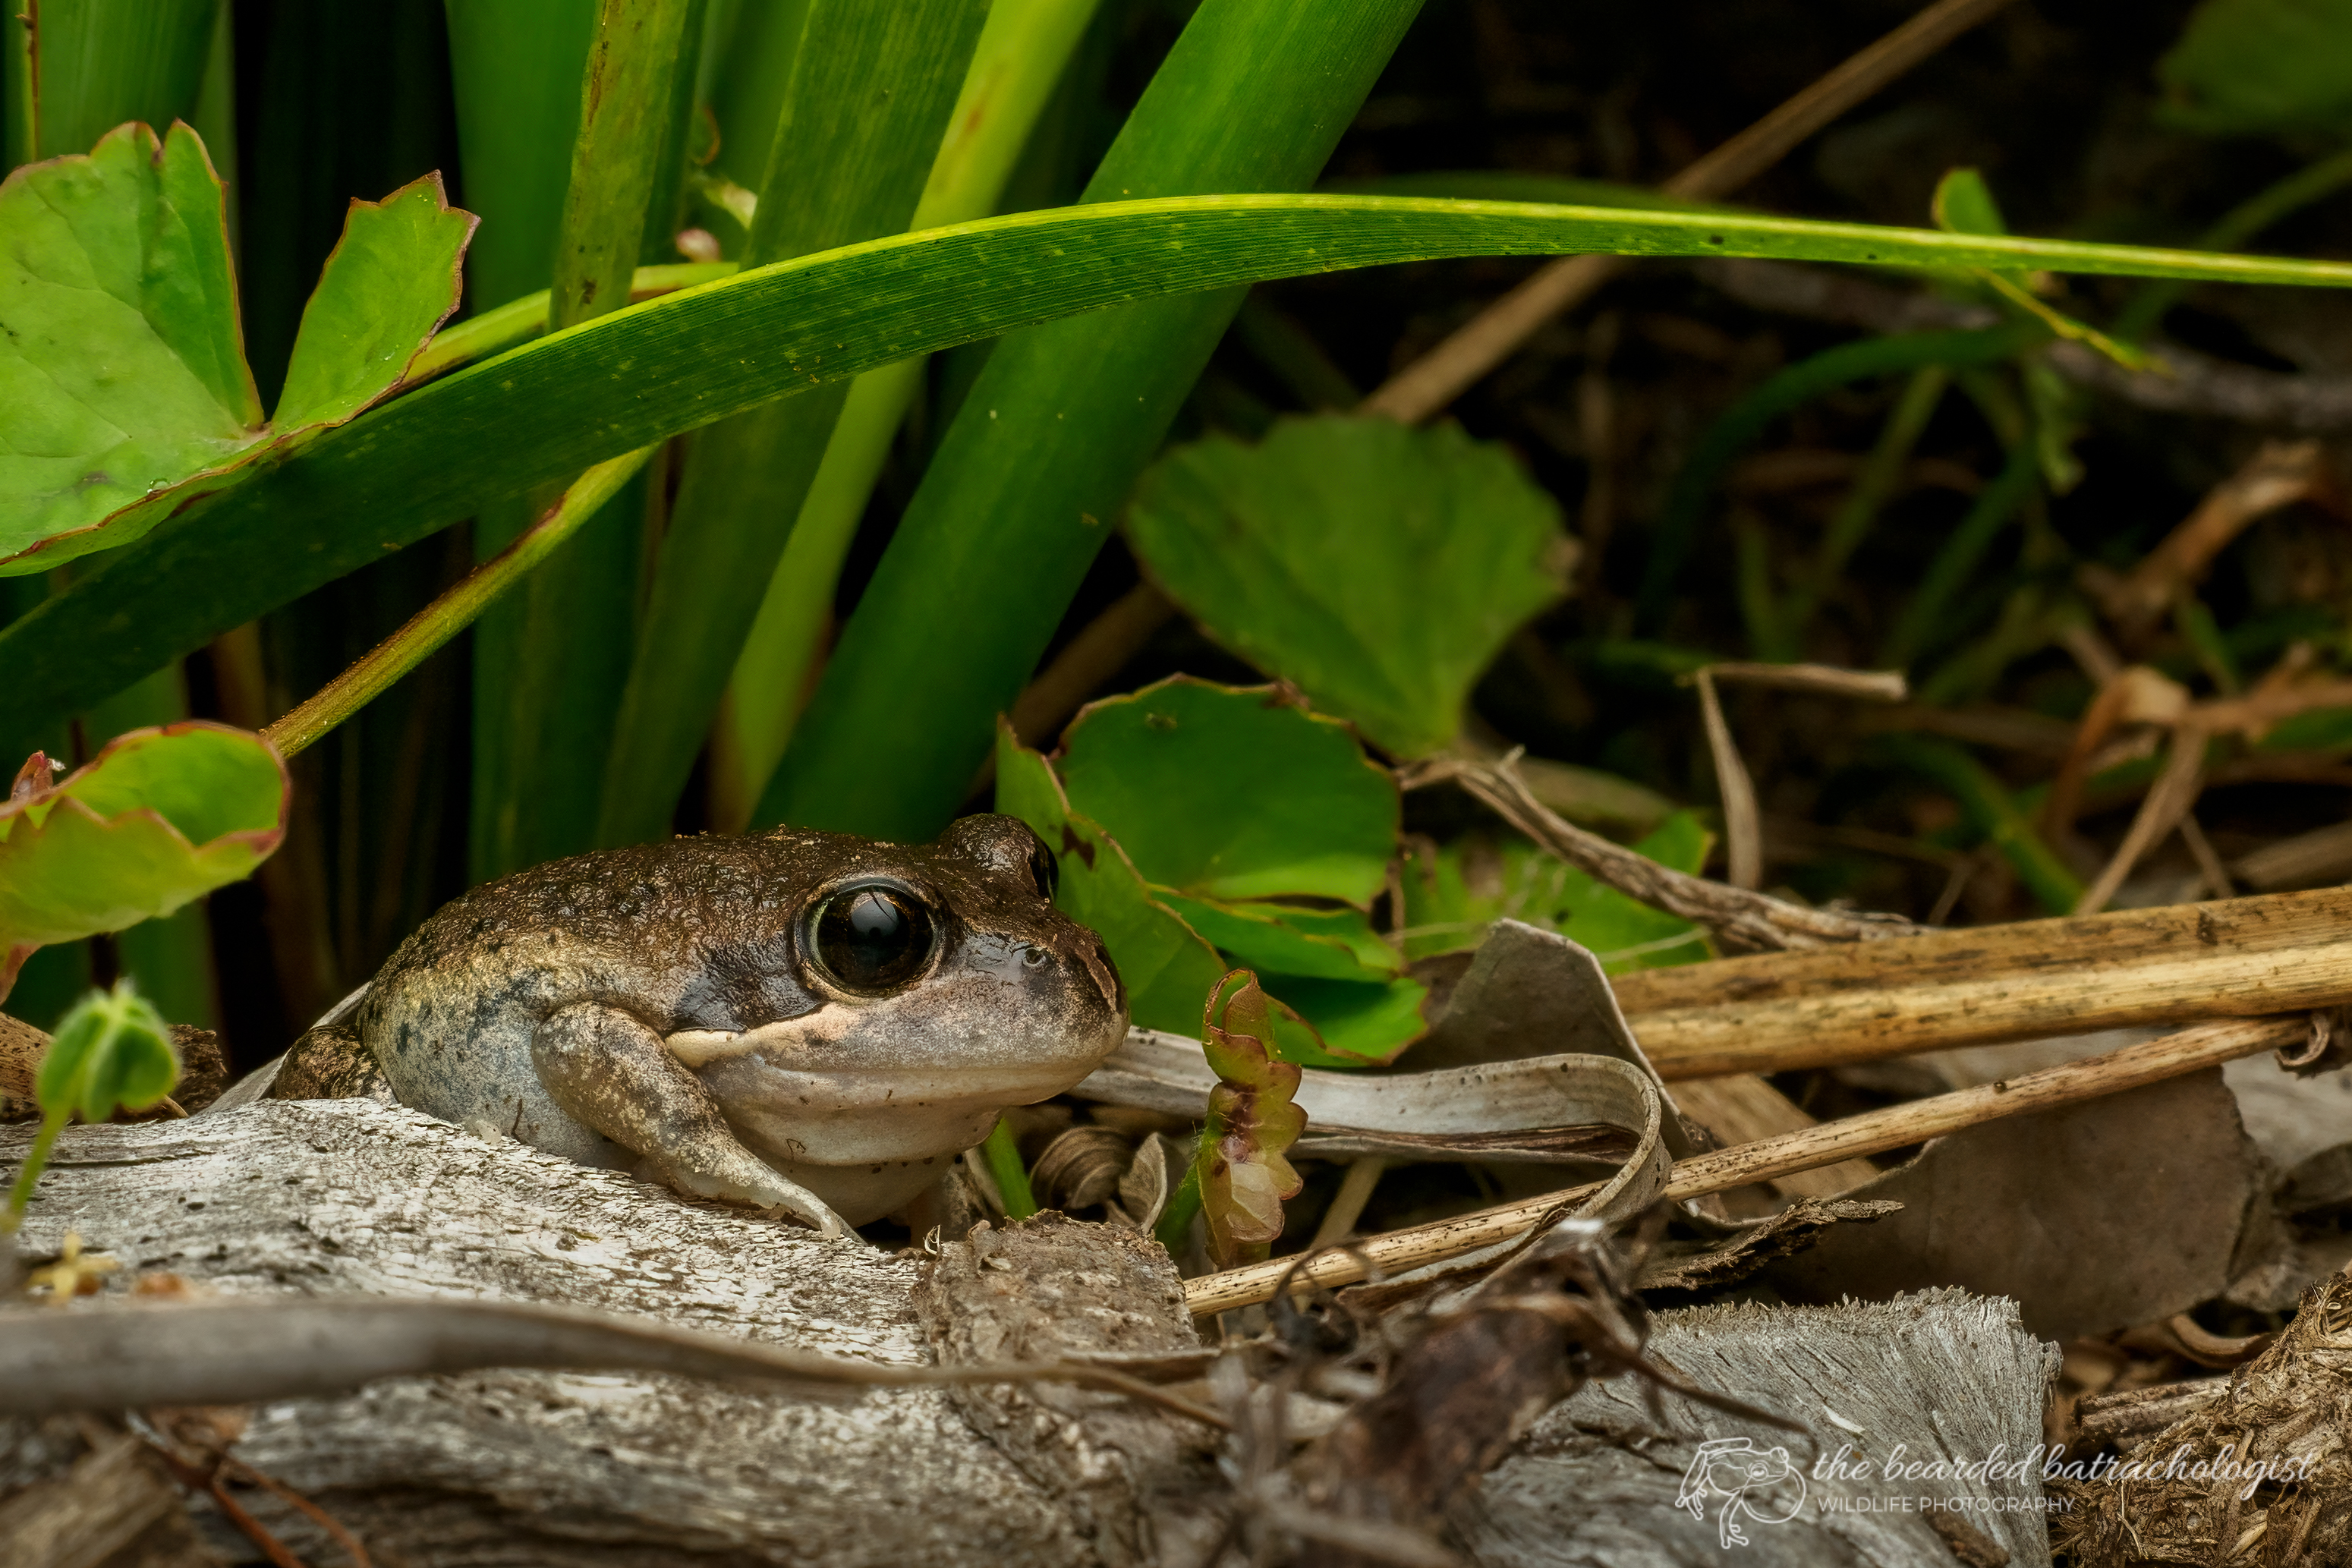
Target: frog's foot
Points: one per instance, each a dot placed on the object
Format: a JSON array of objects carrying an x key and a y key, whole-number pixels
[{"x": 606, "y": 1069}]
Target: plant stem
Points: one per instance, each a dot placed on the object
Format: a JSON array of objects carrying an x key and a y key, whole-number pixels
[
  {"x": 1956, "y": 560},
  {"x": 1741, "y": 426},
  {"x": 20, "y": 1193},
  {"x": 455, "y": 610},
  {"x": 1873, "y": 487}
]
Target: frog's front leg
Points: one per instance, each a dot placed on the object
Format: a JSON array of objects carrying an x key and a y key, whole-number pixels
[{"x": 612, "y": 1073}]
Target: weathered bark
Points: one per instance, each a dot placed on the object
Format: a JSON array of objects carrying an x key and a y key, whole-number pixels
[{"x": 510, "y": 1467}]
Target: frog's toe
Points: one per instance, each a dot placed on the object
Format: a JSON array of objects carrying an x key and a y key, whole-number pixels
[{"x": 740, "y": 1178}]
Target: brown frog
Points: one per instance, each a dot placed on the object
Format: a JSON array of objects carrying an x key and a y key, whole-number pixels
[{"x": 808, "y": 1021}]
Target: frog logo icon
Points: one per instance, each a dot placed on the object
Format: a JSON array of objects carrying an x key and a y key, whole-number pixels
[{"x": 1761, "y": 1484}]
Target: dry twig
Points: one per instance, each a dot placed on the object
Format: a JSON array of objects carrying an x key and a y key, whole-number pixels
[
  {"x": 2276, "y": 953},
  {"x": 2206, "y": 1045},
  {"x": 2280, "y": 474},
  {"x": 1742, "y": 921},
  {"x": 237, "y": 1353},
  {"x": 1425, "y": 387}
]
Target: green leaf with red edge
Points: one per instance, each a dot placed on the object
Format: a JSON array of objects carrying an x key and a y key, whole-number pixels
[
  {"x": 159, "y": 817},
  {"x": 123, "y": 386},
  {"x": 1242, "y": 1165}
]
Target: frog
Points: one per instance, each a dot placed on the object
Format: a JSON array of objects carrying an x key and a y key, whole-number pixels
[{"x": 811, "y": 1024}]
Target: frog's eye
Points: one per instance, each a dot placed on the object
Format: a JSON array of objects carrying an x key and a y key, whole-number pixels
[
  {"x": 872, "y": 939},
  {"x": 1045, "y": 872}
]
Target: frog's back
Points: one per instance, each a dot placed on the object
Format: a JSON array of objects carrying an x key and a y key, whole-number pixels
[{"x": 679, "y": 935}]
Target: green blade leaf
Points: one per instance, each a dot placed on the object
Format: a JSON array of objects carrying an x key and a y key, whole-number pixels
[
  {"x": 1252, "y": 1123},
  {"x": 563, "y": 403},
  {"x": 848, "y": 164},
  {"x": 1049, "y": 438},
  {"x": 1020, "y": 55},
  {"x": 85, "y": 67},
  {"x": 158, "y": 818},
  {"x": 1376, "y": 567},
  {"x": 1226, "y": 793},
  {"x": 1164, "y": 964},
  {"x": 112, "y": 1052},
  {"x": 124, "y": 378}
]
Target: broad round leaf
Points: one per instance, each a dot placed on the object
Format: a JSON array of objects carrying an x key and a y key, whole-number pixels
[
  {"x": 1452, "y": 897},
  {"x": 1229, "y": 793},
  {"x": 1166, "y": 966},
  {"x": 1376, "y": 567}
]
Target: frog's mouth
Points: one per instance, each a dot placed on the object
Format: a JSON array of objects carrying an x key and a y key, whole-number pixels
[{"x": 841, "y": 1085}]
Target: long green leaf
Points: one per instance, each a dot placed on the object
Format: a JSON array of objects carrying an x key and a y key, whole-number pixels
[
  {"x": 1022, "y": 491},
  {"x": 849, "y": 163},
  {"x": 550, "y": 660},
  {"x": 626, "y": 103},
  {"x": 1023, "y": 50},
  {"x": 559, "y": 405},
  {"x": 85, "y": 67}
]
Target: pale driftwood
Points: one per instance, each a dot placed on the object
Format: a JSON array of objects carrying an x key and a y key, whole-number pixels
[
  {"x": 340, "y": 1197},
  {"x": 1947, "y": 1375},
  {"x": 2169, "y": 1056},
  {"x": 2277, "y": 953}
]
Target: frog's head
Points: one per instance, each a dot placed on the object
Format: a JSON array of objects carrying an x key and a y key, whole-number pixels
[{"x": 946, "y": 987}]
